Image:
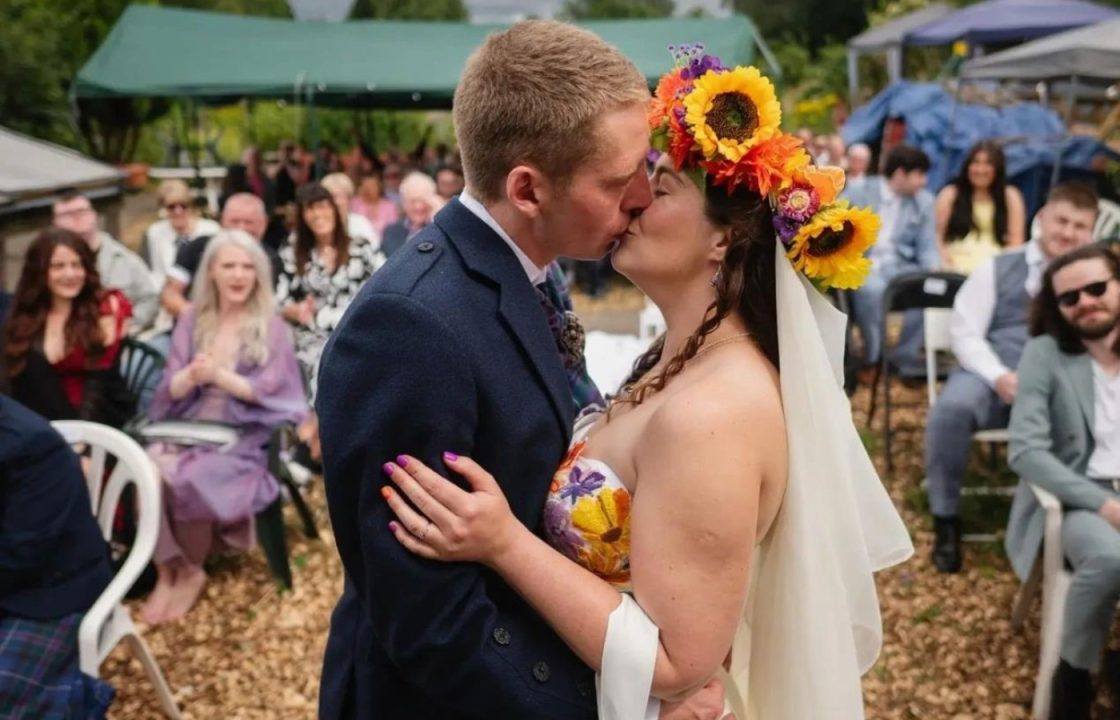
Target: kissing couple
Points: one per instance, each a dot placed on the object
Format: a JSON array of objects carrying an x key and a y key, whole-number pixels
[{"x": 701, "y": 547}]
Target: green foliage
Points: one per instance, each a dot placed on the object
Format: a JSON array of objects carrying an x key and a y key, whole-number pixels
[
  {"x": 812, "y": 23},
  {"x": 409, "y": 10},
  {"x": 611, "y": 9}
]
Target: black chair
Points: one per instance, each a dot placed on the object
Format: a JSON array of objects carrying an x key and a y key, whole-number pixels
[
  {"x": 909, "y": 291},
  {"x": 138, "y": 363}
]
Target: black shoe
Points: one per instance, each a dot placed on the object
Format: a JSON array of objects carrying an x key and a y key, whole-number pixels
[
  {"x": 1071, "y": 694},
  {"x": 947, "y": 545}
]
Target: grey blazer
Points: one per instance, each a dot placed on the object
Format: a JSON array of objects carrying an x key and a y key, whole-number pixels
[{"x": 1051, "y": 442}]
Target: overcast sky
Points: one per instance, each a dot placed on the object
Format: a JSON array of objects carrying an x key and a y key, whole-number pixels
[{"x": 507, "y": 10}]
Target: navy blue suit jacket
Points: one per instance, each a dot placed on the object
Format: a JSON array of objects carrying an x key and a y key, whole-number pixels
[
  {"x": 445, "y": 348},
  {"x": 53, "y": 560}
]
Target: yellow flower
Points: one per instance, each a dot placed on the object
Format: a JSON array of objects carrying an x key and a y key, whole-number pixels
[
  {"x": 731, "y": 111},
  {"x": 830, "y": 248},
  {"x": 604, "y": 522}
]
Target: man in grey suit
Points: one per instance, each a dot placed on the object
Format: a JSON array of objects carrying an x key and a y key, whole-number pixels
[
  {"x": 907, "y": 240},
  {"x": 988, "y": 331},
  {"x": 1065, "y": 438}
]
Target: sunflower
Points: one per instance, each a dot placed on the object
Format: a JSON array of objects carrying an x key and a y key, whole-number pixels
[
  {"x": 829, "y": 248},
  {"x": 732, "y": 111}
]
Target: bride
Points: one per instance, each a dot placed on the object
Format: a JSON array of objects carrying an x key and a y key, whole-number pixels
[{"x": 721, "y": 517}]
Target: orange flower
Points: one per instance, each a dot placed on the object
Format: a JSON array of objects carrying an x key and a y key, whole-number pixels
[
  {"x": 827, "y": 180},
  {"x": 768, "y": 166},
  {"x": 664, "y": 98},
  {"x": 680, "y": 142}
]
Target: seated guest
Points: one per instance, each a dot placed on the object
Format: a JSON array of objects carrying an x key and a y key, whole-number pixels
[
  {"x": 449, "y": 181},
  {"x": 859, "y": 163},
  {"x": 180, "y": 224},
  {"x": 979, "y": 214},
  {"x": 231, "y": 361},
  {"x": 243, "y": 211},
  {"x": 1065, "y": 438},
  {"x": 371, "y": 203},
  {"x": 64, "y": 334},
  {"x": 341, "y": 189},
  {"x": 53, "y": 566},
  {"x": 988, "y": 330},
  {"x": 118, "y": 267},
  {"x": 906, "y": 240},
  {"x": 420, "y": 202},
  {"x": 323, "y": 270}
]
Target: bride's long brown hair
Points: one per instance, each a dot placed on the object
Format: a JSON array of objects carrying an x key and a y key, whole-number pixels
[{"x": 745, "y": 285}]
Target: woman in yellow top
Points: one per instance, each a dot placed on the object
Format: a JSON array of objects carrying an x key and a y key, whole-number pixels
[{"x": 979, "y": 214}]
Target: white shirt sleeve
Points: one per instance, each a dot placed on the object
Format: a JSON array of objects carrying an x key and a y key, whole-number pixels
[{"x": 973, "y": 309}]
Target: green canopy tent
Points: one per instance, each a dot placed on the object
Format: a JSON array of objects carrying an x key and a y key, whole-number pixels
[{"x": 216, "y": 57}]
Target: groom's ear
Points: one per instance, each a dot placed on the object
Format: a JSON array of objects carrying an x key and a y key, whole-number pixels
[{"x": 526, "y": 188}]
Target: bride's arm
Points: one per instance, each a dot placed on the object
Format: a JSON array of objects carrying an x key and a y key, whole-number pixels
[{"x": 701, "y": 466}]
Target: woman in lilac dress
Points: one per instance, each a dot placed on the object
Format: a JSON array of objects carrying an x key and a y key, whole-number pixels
[{"x": 231, "y": 361}]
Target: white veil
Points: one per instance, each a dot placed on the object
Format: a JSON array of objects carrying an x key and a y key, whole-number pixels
[{"x": 811, "y": 627}]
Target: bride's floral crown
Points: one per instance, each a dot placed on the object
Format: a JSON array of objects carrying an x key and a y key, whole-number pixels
[{"x": 725, "y": 124}]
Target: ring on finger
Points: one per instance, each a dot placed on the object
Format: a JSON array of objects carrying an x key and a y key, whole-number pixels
[{"x": 424, "y": 533}]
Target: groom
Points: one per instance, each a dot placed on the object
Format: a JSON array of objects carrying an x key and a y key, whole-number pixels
[{"x": 448, "y": 348}]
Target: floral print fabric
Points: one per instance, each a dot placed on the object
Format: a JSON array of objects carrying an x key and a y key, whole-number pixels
[{"x": 587, "y": 516}]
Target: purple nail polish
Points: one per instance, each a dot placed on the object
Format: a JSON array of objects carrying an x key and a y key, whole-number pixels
[
  {"x": 450, "y": 456},
  {"x": 392, "y": 526},
  {"x": 388, "y": 468},
  {"x": 402, "y": 461}
]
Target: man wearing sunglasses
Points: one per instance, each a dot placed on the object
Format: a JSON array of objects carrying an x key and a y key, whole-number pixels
[
  {"x": 1065, "y": 438},
  {"x": 988, "y": 331}
]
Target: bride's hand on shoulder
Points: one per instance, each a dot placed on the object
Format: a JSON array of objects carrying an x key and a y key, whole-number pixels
[{"x": 444, "y": 521}]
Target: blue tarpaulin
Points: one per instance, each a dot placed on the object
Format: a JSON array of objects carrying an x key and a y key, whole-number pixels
[
  {"x": 1032, "y": 136},
  {"x": 1007, "y": 21}
]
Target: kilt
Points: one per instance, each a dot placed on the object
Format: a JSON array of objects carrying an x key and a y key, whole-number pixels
[{"x": 39, "y": 673}]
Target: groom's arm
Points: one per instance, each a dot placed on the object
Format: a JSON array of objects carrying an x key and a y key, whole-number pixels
[{"x": 392, "y": 381}]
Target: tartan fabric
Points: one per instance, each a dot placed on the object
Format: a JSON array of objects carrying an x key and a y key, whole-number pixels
[
  {"x": 39, "y": 674},
  {"x": 566, "y": 329}
]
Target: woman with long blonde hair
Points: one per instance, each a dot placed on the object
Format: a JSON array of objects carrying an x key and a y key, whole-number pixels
[{"x": 231, "y": 361}]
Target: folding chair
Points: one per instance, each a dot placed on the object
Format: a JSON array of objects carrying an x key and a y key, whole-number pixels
[
  {"x": 107, "y": 622},
  {"x": 908, "y": 291},
  {"x": 138, "y": 363}
]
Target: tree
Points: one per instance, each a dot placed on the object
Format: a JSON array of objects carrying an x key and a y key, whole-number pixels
[
  {"x": 813, "y": 23},
  {"x": 409, "y": 10},
  {"x": 610, "y": 9}
]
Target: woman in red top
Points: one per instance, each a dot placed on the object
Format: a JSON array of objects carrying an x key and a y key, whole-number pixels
[{"x": 64, "y": 334}]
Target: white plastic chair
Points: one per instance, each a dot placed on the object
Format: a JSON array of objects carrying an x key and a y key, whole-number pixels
[
  {"x": 108, "y": 621},
  {"x": 1050, "y": 573},
  {"x": 1108, "y": 221},
  {"x": 937, "y": 339}
]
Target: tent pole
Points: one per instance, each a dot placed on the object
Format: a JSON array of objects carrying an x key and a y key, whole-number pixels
[{"x": 853, "y": 76}]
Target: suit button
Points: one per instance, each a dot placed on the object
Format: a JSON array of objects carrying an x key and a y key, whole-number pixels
[
  {"x": 425, "y": 247},
  {"x": 501, "y": 636},
  {"x": 541, "y": 671}
]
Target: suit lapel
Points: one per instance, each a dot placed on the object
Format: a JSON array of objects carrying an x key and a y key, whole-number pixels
[
  {"x": 1080, "y": 371},
  {"x": 486, "y": 254}
]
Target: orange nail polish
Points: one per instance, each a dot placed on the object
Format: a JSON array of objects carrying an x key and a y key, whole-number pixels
[{"x": 386, "y": 492}]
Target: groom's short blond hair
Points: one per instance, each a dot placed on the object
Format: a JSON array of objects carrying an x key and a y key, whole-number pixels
[{"x": 533, "y": 94}]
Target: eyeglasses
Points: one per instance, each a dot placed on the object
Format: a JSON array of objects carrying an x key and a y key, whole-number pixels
[
  {"x": 1071, "y": 297},
  {"x": 175, "y": 206}
]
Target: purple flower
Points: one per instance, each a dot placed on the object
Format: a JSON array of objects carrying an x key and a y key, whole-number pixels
[
  {"x": 580, "y": 484},
  {"x": 558, "y": 529},
  {"x": 700, "y": 65},
  {"x": 786, "y": 227}
]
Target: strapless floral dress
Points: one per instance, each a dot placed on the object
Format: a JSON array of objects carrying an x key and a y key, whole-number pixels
[{"x": 587, "y": 513}]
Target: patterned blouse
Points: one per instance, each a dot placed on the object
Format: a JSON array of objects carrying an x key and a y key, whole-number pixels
[{"x": 333, "y": 293}]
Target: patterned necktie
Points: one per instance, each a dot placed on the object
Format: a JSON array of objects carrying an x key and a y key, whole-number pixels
[{"x": 569, "y": 335}]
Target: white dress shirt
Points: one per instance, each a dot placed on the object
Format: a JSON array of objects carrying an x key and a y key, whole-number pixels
[
  {"x": 889, "y": 203},
  {"x": 973, "y": 309},
  {"x": 536, "y": 275},
  {"x": 1105, "y": 460}
]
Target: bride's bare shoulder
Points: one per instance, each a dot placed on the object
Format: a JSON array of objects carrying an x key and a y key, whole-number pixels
[{"x": 739, "y": 392}]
